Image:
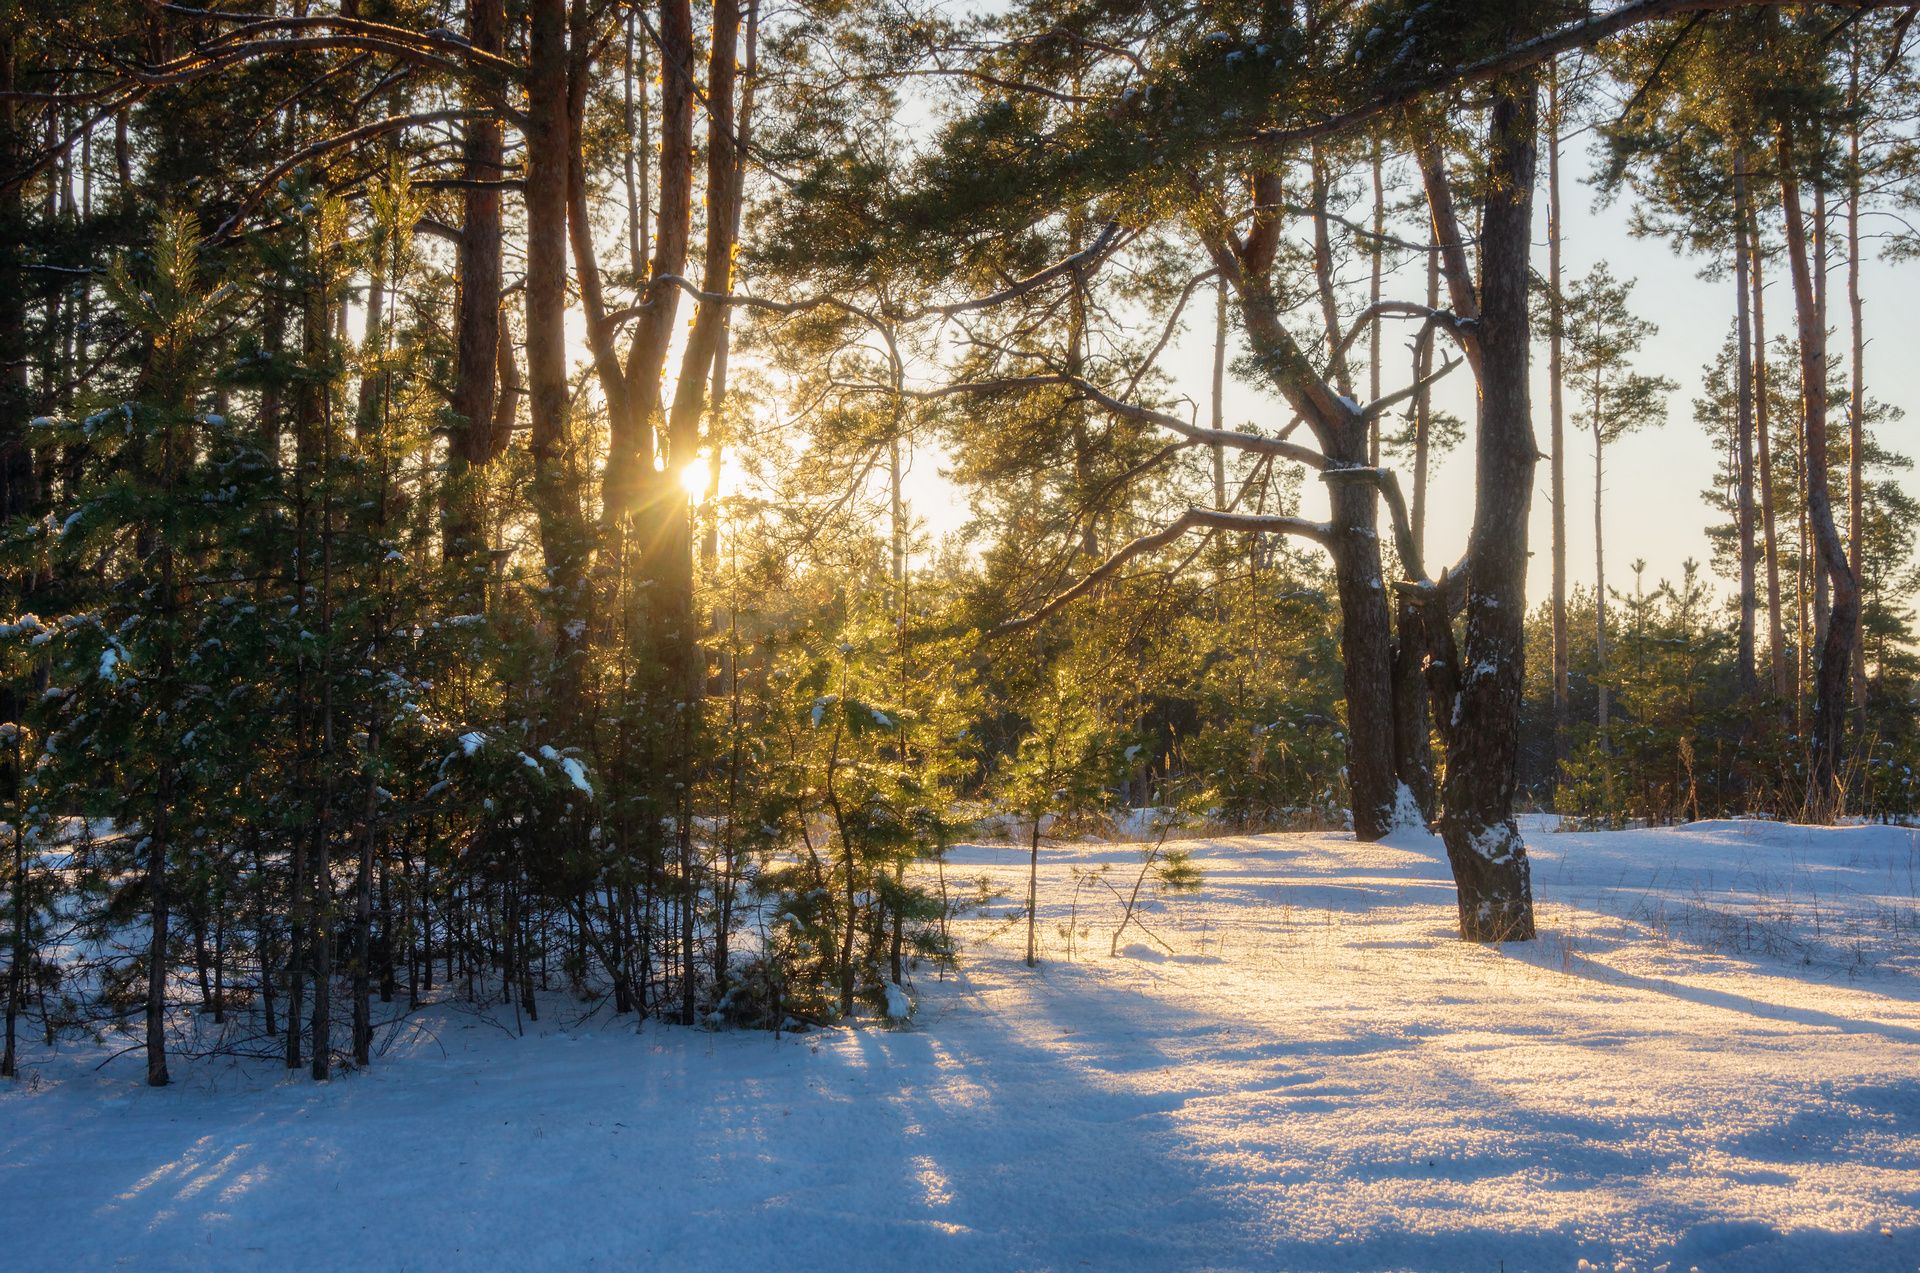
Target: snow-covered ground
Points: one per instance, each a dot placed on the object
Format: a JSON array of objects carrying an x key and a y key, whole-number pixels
[{"x": 1711, "y": 1059}]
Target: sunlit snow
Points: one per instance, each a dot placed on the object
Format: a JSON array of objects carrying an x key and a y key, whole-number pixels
[{"x": 1710, "y": 1059}]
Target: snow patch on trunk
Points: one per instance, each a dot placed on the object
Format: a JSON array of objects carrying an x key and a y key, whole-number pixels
[{"x": 1407, "y": 813}]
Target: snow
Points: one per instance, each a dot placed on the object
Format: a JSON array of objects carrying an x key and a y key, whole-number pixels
[
  {"x": 1407, "y": 813},
  {"x": 576, "y": 773},
  {"x": 1144, "y": 823},
  {"x": 1711, "y": 1059},
  {"x": 899, "y": 1006}
]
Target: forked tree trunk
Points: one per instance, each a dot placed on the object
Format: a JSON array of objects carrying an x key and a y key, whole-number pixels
[
  {"x": 1366, "y": 632},
  {"x": 1482, "y": 729},
  {"x": 630, "y": 485}
]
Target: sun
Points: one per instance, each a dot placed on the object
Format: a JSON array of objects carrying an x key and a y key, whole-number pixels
[{"x": 693, "y": 480}]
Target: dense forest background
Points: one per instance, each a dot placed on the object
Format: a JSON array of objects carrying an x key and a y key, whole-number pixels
[{"x": 453, "y": 462}]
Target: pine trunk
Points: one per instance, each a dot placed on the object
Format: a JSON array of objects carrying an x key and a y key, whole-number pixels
[
  {"x": 1763, "y": 439},
  {"x": 1366, "y": 644},
  {"x": 1484, "y": 846},
  {"x": 1556, "y": 390},
  {"x": 1603, "y": 695},
  {"x": 554, "y": 492},
  {"x": 477, "y": 331},
  {"x": 1825, "y": 792},
  {"x": 1856, "y": 415},
  {"x": 1743, "y": 432}
]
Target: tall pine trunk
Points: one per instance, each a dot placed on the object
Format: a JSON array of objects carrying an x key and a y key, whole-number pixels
[
  {"x": 554, "y": 492},
  {"x": 1366, "y": 641},
  {"x": 1763, "y": 438},
  {"x": 1603, "y": 694},
  {"x": 1556, "y": 410},
  {"x": 477, "y": 328},
  {"x": 1856, "y": 416},
  {"x": 1825, "y": 794},
  {"x": 1743, "y": 431},
  {"x": 1485, "y": 686}
]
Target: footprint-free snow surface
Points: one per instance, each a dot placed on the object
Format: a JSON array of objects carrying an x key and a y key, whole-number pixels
[{"x": 1710, "y": 1060}]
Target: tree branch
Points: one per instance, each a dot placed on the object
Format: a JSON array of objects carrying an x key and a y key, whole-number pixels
[
  {"x": 1257, "y": 523},
  {"x": 1255, "y": 442},
  {"x": 1518, "y": 57}
]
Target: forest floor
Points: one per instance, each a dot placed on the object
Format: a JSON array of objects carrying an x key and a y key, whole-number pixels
[{"x": 1710, "y": 1060}]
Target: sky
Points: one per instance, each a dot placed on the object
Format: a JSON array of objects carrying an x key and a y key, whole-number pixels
[{"x": 1654, "y": 480}]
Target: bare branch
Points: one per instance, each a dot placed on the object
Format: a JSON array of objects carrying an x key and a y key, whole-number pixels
[
  {"x": 1079, "y": 263},
  {"x": 1255, "y": 442},
  {"x": 392, "y": 123},
  {"x": 1210, "y": 518},
  {"x": 1380, "y": 405},
  {"x": 687, "y": 285}
]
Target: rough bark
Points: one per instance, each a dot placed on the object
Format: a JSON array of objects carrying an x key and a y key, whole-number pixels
[
  {"x": 554, "y": 496},
  {"x": 1482, "y": 730},
  {"x": 1366, "y": 643},
  {"x": 477, "y": 326}
]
